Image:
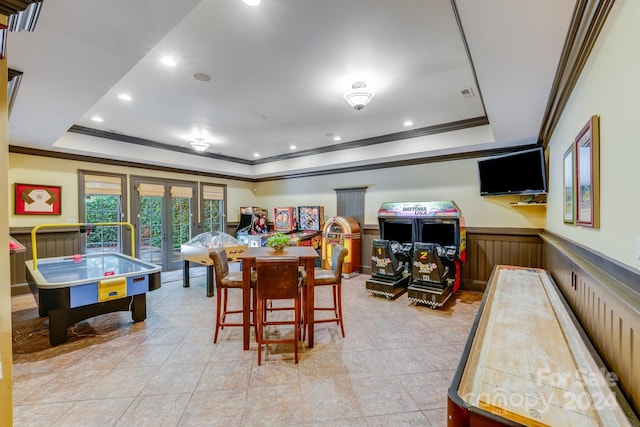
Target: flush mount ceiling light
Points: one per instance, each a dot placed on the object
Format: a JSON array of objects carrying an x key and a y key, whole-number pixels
[
  {"x": 358, "y": 96},
  {"x": 199, "y": 145}
]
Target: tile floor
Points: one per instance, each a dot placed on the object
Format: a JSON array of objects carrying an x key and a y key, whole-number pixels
[{"x": 393, "y": 367}]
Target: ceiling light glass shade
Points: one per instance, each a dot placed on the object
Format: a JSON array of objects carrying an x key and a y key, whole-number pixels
[
  {"x": 200, "y": 146},
  {"x": 358, "y": 96}
]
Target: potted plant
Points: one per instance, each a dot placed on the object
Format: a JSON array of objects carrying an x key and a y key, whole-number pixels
[{"x": 278, "y": 241}]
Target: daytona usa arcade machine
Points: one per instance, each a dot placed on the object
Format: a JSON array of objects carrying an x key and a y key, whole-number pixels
[
  {"x": 401, "y": 261},
  {"x": 392, "y": 252},
  {"x": 439, "y": 251}
]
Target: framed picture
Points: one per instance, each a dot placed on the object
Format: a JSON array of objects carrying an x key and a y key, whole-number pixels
[
  {"x": 569, "y": 177},
  {"x": 588, "y": 174},
  {"x": 37, "y": 199}
]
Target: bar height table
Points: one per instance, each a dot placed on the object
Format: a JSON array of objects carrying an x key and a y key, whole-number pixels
[{"x": 306, "y": 255}]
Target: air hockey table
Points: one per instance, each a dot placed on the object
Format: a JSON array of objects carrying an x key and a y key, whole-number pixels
[{"x": 75, "y": 288}]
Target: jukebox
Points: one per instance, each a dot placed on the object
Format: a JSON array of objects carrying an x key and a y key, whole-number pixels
[
  {"x": 421, "y": 249},
  {"x": 345, "y": 231}
]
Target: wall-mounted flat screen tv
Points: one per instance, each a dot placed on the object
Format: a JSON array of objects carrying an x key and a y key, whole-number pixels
[{"x": 522, "y": 172}]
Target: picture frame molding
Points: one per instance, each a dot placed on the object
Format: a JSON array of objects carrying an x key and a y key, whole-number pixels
[
  {"x": 569, "y": 184},
  {"x": 587, "y": 181}
]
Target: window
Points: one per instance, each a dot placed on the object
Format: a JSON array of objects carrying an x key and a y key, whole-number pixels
[
  {"x": 213, "y": 208},
  {"x": 102, "y": 201}
]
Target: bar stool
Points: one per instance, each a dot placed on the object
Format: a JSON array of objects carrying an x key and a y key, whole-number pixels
[
  {"x": 333, "y": 278},
  {"x": 277, "y": 279},
  {"x": 226, "y": 280}
]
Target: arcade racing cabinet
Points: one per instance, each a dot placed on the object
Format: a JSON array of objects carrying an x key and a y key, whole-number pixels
[
  {"x": 433, "y": 273},
  {"x": 390, "y": 264},
  {"x": 404, "y": 224}
]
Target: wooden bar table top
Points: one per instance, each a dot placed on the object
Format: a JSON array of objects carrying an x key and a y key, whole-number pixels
[{"x": 306, "y": 255}]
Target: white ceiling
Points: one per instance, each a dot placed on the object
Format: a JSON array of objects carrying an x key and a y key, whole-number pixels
[{"x": 277, "y": 76}]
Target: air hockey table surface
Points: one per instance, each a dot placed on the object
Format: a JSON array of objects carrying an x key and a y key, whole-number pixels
[{"x": 74, "y": 288}]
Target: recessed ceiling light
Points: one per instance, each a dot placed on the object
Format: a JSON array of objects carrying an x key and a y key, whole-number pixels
[
  {"x": 252, "y": 2},
  {"x": 337, "y": 138},
  {"x": 97, "y": 119},
  {"x": 408, "y": 123},
  {"x": 293, "y": 147},
  {"x": 124, "y": 97},
  {"x": 256, "y": 154},
  {"x": 168, "y": 61}
]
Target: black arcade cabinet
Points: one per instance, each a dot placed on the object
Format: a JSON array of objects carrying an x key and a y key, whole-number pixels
[
  {"x": 391, "y": 256},
  {"x": 421, "y": 249},
  {"x": 253, "y": 228},
  {"x": 438, "y": 254}
]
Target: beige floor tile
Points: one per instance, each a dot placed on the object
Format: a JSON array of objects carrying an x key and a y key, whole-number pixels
[
  {"x": 432, "y": 397},
  {"x": 155, "y": 411},
  {"x": 173, "y": 379},
  {"x": 437, "y": 417},
  {"x": 329, "y": 400},
  {"x": 224, "y": 408},
  {"x": 39, "y": 414},
  {"x": 94, "y": 413},
  {"x": 121, "y": 382},
  {"x": 398, "y": 420},
  {"x": 392, "y": 368},
  {"x": 226, "y": 375},
  {"x": 382, "y": 396},
  {"x": 279, "y": 405}
]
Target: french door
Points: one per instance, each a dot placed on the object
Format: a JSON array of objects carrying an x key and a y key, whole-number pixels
[{"x": 163, "y": 219}]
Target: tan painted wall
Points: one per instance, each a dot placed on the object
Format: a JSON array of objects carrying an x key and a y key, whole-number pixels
[
  {"x": 453, "y": 180},
  {"x": 41, "y": 170},
  {"x": 607, "y": 87}
]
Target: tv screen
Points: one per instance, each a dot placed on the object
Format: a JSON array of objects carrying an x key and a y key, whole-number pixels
[
  {"x": 442, "y": 233},
  {"x": 522, "y": 172},
  {"x": 400, "y": 231}
]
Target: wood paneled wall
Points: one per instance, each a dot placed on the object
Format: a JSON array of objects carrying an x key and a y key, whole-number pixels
[
  {"x": 605, "y": 298},
  {"x": 487, "y": 248},
  {"x": 51, "y": 243}
]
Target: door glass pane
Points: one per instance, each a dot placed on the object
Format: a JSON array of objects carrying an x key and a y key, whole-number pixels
[
  {"x": 103, "y": 208},
  {"x": 151, "y": 229},
  {"x": 180, "y": 225},
  {"x": 212, "y": 215}
]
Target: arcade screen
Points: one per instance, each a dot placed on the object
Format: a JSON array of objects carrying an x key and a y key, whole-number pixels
[
  {"x": 444, "y": 234},
  {"x": 401, "y": 232}
]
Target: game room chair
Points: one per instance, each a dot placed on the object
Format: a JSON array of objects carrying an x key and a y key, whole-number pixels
[
  {"x": 278, "y": 278},
  {"x": 333, "y": 278},
  {"x": 226, "y": 280}
]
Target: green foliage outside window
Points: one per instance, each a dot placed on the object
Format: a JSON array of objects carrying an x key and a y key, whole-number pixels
[
  {"x": 212, "y": 215},
  {"x": 103, "y": 208}
]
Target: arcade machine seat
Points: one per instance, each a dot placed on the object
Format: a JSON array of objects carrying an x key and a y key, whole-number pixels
[
  {"x": 390, "y": 263},
  {"x": 433, "y": 273}
]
